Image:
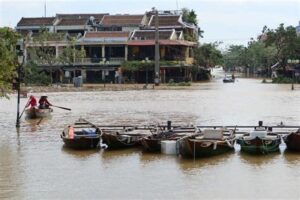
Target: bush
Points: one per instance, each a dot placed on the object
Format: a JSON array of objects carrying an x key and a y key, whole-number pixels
[
  {"x": 282, "y": 79},
  {"x": 35, "y": 76},
  {"x": 179, "y": 84}
]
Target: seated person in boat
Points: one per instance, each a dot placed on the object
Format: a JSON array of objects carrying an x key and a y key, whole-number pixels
[
  {"x": 32, "y": 102},
  {"x": 44, "y": 103}
]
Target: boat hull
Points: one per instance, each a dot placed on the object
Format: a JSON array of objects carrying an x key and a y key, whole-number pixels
[
  {"x": 120, "y": 141},
  {"x": 193, "y": 148},
  {"x": 151, "y": 144},
  {"x": 228, "y": 80},
  {"x": 292, "y": 141},
  {"x": 82, "y": 142},
  {"x": 33, "y": 113},
  {"x": 259, "y": 146}
]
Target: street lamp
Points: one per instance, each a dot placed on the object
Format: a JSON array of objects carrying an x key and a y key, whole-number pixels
[{"x": 20, "y": 65}]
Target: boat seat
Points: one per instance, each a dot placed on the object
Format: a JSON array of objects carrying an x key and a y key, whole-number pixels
[
  {"x": 89, "y": 131},
  {"x": 213, "y": 134}
]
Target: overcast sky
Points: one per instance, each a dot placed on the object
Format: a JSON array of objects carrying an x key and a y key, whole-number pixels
[{"x": 230, "y": 21}]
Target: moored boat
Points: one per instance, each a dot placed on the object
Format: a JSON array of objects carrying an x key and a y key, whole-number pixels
[
  {"x": 228, "y": 80},
  {"x": 81, "y": 135},
  {"x": 152, "y": 143},
  {"x": 211, "y": 142},
  {"x": 259, "y": 141},
  {"x": 292, "y": 141},
  {"x": 125, "y": 138},
  {"x": 34, "y": 112}
]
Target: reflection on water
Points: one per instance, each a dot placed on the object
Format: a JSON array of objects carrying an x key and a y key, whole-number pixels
[
  {"x": 81, "y": 154},
  {"x": 188, "y": 165},
  {"x": 258, "y": 160},
  {"x": 34, "y": 163}
]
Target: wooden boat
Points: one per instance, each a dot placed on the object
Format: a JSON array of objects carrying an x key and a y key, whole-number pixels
[
  {"x": 81, "y": 135},
  {"x": 152, "y": 143},
  {"x": 228, "y": 80},
  {"x": 124, "y": 138},
  {"x": 259, "y": 141},
  {"x": 34, "y": 112},
  {"x": 211, "y": 142},
  {"x": 292, "y": 141}
]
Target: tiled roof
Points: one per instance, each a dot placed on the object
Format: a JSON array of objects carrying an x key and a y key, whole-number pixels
[
  {"x": 161, "y": 42},
  {"x": 72, "y": 22},
  {"x": 122, "y": 20},
  {"x": 150, "y": 35},
  {"x": 69, "y": 17},
  {"x": 81, "y": 16},
  {"x": 103, "y": 34},
  {"x": 166, "y": 20},
  {"x": 37, "y": 21}
]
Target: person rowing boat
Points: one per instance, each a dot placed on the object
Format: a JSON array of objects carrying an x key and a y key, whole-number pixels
[
  {"x": 31, "y": 102},
  {"x": 44, "y": 103}
]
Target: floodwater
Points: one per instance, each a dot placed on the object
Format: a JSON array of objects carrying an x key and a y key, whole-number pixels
[{"x": 35, "y": 165}]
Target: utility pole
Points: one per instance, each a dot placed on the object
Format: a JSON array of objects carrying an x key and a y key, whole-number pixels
[
  {"x": 157, "y": 78},
  {"x": 20, "y": 65}
]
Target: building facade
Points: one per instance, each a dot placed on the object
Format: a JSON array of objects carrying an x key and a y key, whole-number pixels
[{"x": 110, "y": 43}]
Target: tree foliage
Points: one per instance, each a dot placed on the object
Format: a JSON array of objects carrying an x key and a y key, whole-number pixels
[
  {"x": 208, "y": 55},
  {"x": 190, "y": 17},
  {"x": 272, "y": 46},
  {"x": 255, "y": 55},
  {"x": 285, "y": 41},
  {"x": 35, "y": 76},
  {"x": 8, "y": 41}
]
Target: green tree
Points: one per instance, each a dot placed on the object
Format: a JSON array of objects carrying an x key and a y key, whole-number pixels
[
  {"x": 285, "y": 41},
  {"x": 42, "y": 52},
  {"x": 8, "y": 61},
  {"x": 190, "y": 16},
  {"x": 208, "y": 55}
]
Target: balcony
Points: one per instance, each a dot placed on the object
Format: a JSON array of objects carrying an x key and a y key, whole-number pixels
[
  {"x": 99, "y": 61},
  {"x": 113, "y": 61}
]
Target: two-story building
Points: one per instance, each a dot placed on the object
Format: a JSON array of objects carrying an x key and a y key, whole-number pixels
[{"x": 110, "y": 40}]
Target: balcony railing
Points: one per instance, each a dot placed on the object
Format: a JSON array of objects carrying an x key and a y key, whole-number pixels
[{"x": 99, "y": 61}]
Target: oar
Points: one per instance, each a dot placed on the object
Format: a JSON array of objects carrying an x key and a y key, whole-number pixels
[
  {"x": 23, "y": 109},
  {"x": 61, "y": 107},
  {"x": 40, "y": 121}
]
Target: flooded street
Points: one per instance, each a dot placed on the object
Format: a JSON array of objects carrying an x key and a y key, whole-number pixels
[{"x": 35, "y": 165}]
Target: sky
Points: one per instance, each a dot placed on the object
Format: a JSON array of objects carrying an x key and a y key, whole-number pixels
[{"x": 228, "y": 21}]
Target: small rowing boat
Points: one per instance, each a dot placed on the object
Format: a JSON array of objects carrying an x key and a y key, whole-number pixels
[
  {"x": 34, "y": 112},
  {"x": 152, "y": 143},
  {"x": 81, "y": 135},
  {"x": 124, "y": 138},
  {"x": 211, "y": 142},
  {"x": 259, "y": 141}
]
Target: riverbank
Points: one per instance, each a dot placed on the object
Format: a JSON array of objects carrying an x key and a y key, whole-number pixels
[{"x": 106, "y": 87}]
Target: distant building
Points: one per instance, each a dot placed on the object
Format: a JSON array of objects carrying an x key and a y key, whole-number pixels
[{"x": 109, "y": 40}]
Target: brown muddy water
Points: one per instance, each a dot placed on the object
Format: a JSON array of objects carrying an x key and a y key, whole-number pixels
[{"x": 35, "y": 165}]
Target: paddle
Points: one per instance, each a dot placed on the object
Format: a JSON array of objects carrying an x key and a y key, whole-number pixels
[
  {"x": 23, "y": 109},
  {"x": 40, "y": 121},
  {"x": 62, "y": 107}
]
